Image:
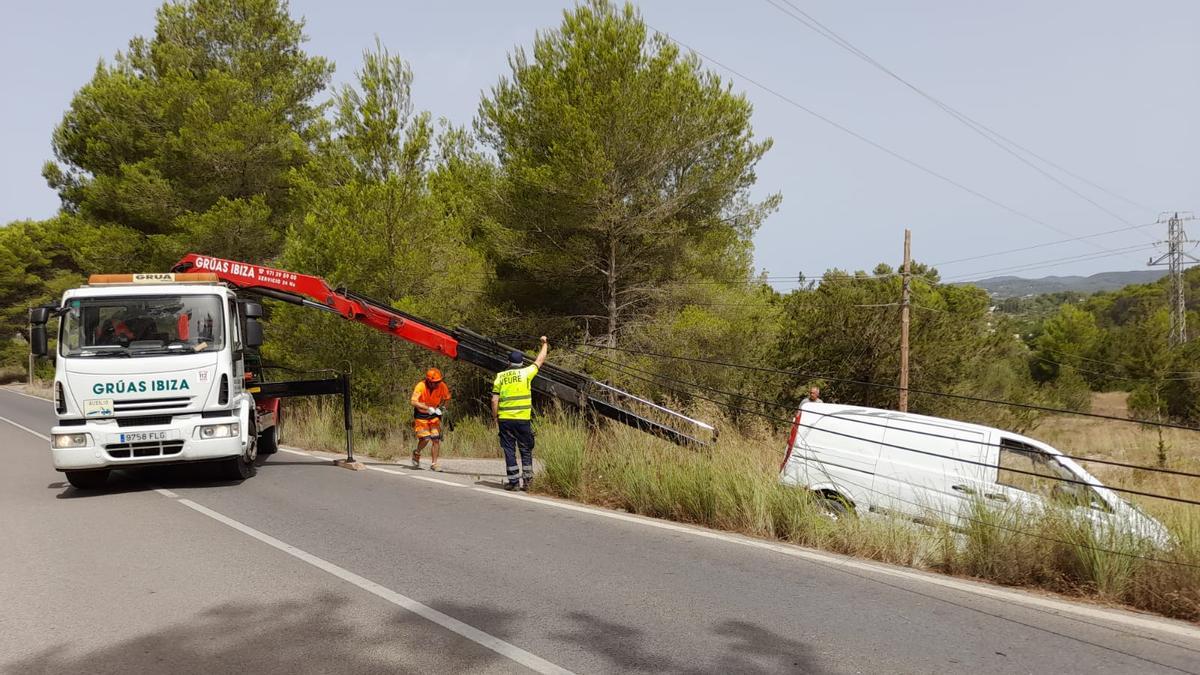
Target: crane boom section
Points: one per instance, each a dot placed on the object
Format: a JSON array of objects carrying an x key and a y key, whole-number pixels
[
  {"x": 313, "y": 291},
  {"x": 459, "y": 343}
]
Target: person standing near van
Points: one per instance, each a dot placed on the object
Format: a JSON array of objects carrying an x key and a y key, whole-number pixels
[
  {"x": 512, "y": 408},
  {"x": 814, "y": 396},
  {"x": 428, "y": 397}
]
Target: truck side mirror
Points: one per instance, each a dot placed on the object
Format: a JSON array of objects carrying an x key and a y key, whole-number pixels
[
  {"x": 252, "y": 310},
  {"x": 254, "y": 332},
  {"x": 38, "y": 316},
  {"x": 37, "y": 340}
]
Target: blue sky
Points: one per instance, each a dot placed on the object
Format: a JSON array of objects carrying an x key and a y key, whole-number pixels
[{"x": 1107, "y": 90}]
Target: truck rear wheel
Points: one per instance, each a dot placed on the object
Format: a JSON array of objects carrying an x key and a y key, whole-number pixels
[
  {"x": 88, "y": 480},
  {"x": 268, "y": 441}
]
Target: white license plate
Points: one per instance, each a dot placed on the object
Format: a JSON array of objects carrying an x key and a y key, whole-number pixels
[{"x": 144, "y": 436}]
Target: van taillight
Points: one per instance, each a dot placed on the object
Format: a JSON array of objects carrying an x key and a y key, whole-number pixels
[
  {"x": 60, "y": 399},
  {"x": 791, "y": 440},
  {"x": 223, "y": 392}
]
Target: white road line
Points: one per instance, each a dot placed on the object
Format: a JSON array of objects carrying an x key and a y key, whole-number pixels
[
  {"x": 22, "y": 427},
  {"x": 1050, "y": 604},
  {"x": 438, "y": 480},
  {"x": 166, "y": 493},
  {"x": 391, "y": 471},
  {"x": 531, "y": 661},
  {"x": 294, "y": 452}
]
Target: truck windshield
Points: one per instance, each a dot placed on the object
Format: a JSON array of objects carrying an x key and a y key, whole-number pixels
[{"x": 142, "y": 326}]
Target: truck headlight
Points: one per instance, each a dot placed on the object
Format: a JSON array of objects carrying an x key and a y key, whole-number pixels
[
  {"x": 72, "y": 440},
  {"x": 217, "y": 431}
]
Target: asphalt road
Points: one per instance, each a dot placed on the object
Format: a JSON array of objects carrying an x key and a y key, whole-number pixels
[{"x": 312, "y": 568}]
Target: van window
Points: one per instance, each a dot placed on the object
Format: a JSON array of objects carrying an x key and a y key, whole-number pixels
[{"x": 1027, "y": 468}]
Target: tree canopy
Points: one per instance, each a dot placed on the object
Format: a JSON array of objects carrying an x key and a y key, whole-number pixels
[
  {"x": 188, "y": 137},
  {"x": 624, "y": 167}
]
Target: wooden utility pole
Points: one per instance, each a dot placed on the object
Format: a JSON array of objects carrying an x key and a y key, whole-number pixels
[{"x": 904, "y": 297}]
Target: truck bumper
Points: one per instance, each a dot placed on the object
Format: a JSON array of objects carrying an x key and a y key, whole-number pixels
[{"x": 110, "y": 447}]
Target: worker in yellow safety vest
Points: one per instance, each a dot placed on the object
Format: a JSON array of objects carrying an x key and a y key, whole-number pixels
[{"x": 512, "y": 405}]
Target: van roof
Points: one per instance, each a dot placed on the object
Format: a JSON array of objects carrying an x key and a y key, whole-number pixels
[{"x": 883, "y": 415}]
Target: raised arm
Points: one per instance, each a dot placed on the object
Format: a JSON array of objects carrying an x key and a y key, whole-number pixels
[{"x": 541, "y": 357}]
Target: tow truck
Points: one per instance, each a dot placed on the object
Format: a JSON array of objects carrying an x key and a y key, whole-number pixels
[{"x": 155, "y": 369}]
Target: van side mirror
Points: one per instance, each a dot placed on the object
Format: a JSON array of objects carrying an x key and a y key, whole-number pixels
[
  {"x": 39, "y": 315},
  {"x": 254, "y": 332}
]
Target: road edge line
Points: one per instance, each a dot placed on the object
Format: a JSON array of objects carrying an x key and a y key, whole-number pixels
[
  {"x": 508, "y": 650},
  {"x": 26, "y": 429},
  {"x": 1053, "y": 605}
]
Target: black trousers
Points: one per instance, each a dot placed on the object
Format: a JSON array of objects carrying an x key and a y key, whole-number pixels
[{"x": 517, "y": 435}]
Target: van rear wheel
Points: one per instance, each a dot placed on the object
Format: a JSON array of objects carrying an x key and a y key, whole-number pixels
[
  {"x": 88, "y": 480},
  {"x": 835, "y": 506}
]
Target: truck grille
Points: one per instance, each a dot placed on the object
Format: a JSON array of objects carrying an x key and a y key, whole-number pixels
[
  {"x": 152, "y": 405},
  {"x": 143, "y": 421},
  {"x": 144, "y": 449}
]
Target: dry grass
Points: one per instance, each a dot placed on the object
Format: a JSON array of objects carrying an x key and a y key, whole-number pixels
[
  {"x": 318, "y": 425},
  {"x": 1132, "y": 444}
]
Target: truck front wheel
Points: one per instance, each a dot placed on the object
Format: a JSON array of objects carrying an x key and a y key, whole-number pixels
[
  {"x": 88, "y": 480},
  {"x": 242, "y": 466}
]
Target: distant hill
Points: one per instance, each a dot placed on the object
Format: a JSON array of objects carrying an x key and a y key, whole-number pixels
[{"x": 1016, "y": 287}]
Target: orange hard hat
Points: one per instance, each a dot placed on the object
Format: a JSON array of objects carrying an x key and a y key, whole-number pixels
[{"x": 433, "y": 375}]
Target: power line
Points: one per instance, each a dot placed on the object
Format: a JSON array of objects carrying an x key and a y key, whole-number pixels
[
  {"x": 872, "y": 143},
  {"x": 991, "y": 135},
  {"x": 1051, "y": 263},
  {"x": 882, "y": 385},
  {"x": 1026, "y": 533},
  {"x": 778, "y": 405},
  {"x": 942, "y": 512},
  {"x": 964, "y": 460},
  {"x": 1043, "y": 245},
  {"x": 1114, "y": 364}
]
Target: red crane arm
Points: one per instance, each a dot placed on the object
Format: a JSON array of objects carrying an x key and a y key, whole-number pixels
[{"x": 313, "y": 291}]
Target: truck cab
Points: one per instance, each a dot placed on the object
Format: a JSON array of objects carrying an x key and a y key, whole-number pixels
[{"x": 150, "y": 370}]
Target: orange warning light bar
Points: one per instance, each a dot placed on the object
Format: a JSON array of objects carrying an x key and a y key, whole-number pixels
[{"x": 122, "y": 279}]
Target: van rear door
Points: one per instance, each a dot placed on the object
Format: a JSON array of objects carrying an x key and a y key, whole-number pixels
[{"x": 837, "y": 448}]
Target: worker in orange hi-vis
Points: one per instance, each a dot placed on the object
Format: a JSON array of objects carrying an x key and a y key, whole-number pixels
[{"x": 428, "y": 397}]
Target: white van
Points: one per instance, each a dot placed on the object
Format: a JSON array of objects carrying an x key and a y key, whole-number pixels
[{"x": 930, "y": 469}]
